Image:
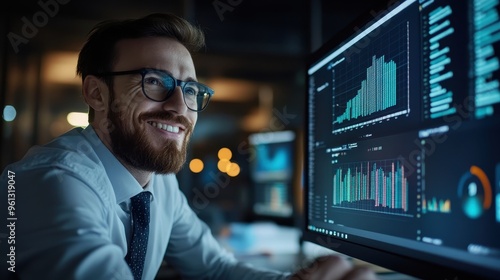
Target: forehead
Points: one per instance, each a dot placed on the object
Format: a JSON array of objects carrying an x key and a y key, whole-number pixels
[{"x": 154, "y": 52}]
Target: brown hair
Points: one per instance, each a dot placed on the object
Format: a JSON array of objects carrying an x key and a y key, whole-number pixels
[{"x": 97, "y": 54}]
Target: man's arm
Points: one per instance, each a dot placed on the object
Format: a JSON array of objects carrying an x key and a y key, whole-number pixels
[
  {"x": 195, "y": 253},
  {"x": 333, "y": 267},
  {"x": 62, "y": 229}
]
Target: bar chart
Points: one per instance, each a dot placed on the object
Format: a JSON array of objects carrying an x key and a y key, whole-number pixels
[
  {"x": 380, "y": 186},
  {"x": 377, "y": 92},
  {"x": 373, "y": 84},
  {"x": 436, "y": 205}
]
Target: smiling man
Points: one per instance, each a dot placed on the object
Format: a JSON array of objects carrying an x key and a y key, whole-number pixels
[
  {"x": 103, "y": 202},
  {"x": 147, "y": 134}
]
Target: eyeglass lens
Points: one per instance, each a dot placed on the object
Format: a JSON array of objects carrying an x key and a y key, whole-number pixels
[{"x": 159, "y": 86}]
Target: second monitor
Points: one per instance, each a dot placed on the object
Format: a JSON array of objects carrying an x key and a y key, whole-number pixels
[{"x": 273, "y": 170}]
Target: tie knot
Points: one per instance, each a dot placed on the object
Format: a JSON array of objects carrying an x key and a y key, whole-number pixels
[
  {"x": 141, "y": 198},
  {"x": 140, "y": 207}
]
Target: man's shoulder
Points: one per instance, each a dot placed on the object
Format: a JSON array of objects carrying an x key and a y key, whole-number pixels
[
  {"x": 65, "y": 159},
  {"x": 71, "y": 150}
]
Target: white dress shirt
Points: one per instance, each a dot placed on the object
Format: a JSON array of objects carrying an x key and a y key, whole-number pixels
[{"x": 72, "y": 219}]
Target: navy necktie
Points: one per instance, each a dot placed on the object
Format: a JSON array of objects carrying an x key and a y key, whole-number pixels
[{"x": 136, "y": 255}]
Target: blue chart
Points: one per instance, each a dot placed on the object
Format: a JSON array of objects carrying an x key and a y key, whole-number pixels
[
  {"x": 379, "y": 186},
  {"x": 273, "y": 161},
  {"x": 377, "y": 91},
  {"x": 372, "y": 84},
  {"x": 273, "y": 158}
]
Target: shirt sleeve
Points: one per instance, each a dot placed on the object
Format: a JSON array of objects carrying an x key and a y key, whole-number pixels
[
  {"x": 62, "y": 229},
  {"x": 196, "y": 254}
]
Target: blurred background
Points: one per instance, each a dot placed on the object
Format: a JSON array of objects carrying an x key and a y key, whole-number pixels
[{"x": 245, "y": 157}]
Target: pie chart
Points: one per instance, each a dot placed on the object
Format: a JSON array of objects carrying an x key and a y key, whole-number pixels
[{"x": 474, "y": 190}]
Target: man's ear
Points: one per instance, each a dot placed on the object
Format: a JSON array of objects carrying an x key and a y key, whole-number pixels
[{"x": 95, "y": 92}]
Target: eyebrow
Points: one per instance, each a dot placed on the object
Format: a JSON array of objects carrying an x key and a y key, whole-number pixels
[{"x": 189, "y": 79}]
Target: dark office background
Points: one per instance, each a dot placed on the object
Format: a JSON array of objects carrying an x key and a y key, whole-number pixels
[{"x": 255, "y": 60}]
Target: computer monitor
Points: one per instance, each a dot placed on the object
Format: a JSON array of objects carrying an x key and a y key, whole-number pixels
[
  {"x": 273, "y": 165},
  {"x": 402, "y": 140}
]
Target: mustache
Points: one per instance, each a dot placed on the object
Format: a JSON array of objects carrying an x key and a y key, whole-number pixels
[{"x": 166, "y": 116}]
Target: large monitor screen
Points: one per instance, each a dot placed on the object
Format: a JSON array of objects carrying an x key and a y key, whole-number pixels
[{"x": 403, "y": 140}]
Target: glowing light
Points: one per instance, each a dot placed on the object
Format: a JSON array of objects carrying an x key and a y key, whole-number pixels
[
  {"x": 233, "y": 169},
  {"x": 223, "y": 165},
  {"x": 196, "y": 165},
  {"x": 77, "y": 119},
  {"x": 59, "y": 68},
  {"x": 233, "y": 90},
  {"x": 9, "y": 113},
  {"x": 225, "y": 153}
]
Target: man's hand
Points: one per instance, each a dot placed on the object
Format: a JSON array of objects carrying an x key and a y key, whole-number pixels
[{"x": 333, "y": 268}]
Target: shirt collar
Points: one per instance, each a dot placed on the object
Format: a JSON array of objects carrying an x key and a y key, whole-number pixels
[{"x": 124, "y": 184}]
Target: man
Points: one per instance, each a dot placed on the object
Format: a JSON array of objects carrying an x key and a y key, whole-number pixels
[{"x": 103, "y": 202}]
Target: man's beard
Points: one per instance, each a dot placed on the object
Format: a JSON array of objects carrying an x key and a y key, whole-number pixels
[{"x": 134, "y": 148}]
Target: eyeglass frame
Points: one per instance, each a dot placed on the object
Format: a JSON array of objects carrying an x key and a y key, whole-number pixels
[{"x": 178, "y": 83}]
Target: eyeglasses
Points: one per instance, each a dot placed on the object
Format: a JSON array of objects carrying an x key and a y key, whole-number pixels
[{"x": 158, "y": 85}]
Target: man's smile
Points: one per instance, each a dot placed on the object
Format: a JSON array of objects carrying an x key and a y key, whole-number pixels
[{"x": 166, "y": 127}]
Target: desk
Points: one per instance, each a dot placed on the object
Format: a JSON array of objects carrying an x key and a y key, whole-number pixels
[
  {"x": 269, "y": 246},
  {"x": 266, "y": 245},
  {"x": 294, "y": 262}
]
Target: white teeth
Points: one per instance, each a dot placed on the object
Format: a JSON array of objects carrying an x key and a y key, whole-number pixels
[{"x": 169, "y": 128}]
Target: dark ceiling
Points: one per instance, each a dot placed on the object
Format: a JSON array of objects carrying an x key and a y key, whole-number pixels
[
  {"x": 255, "y": 40},
  {"x": 240, "y": 31}
]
